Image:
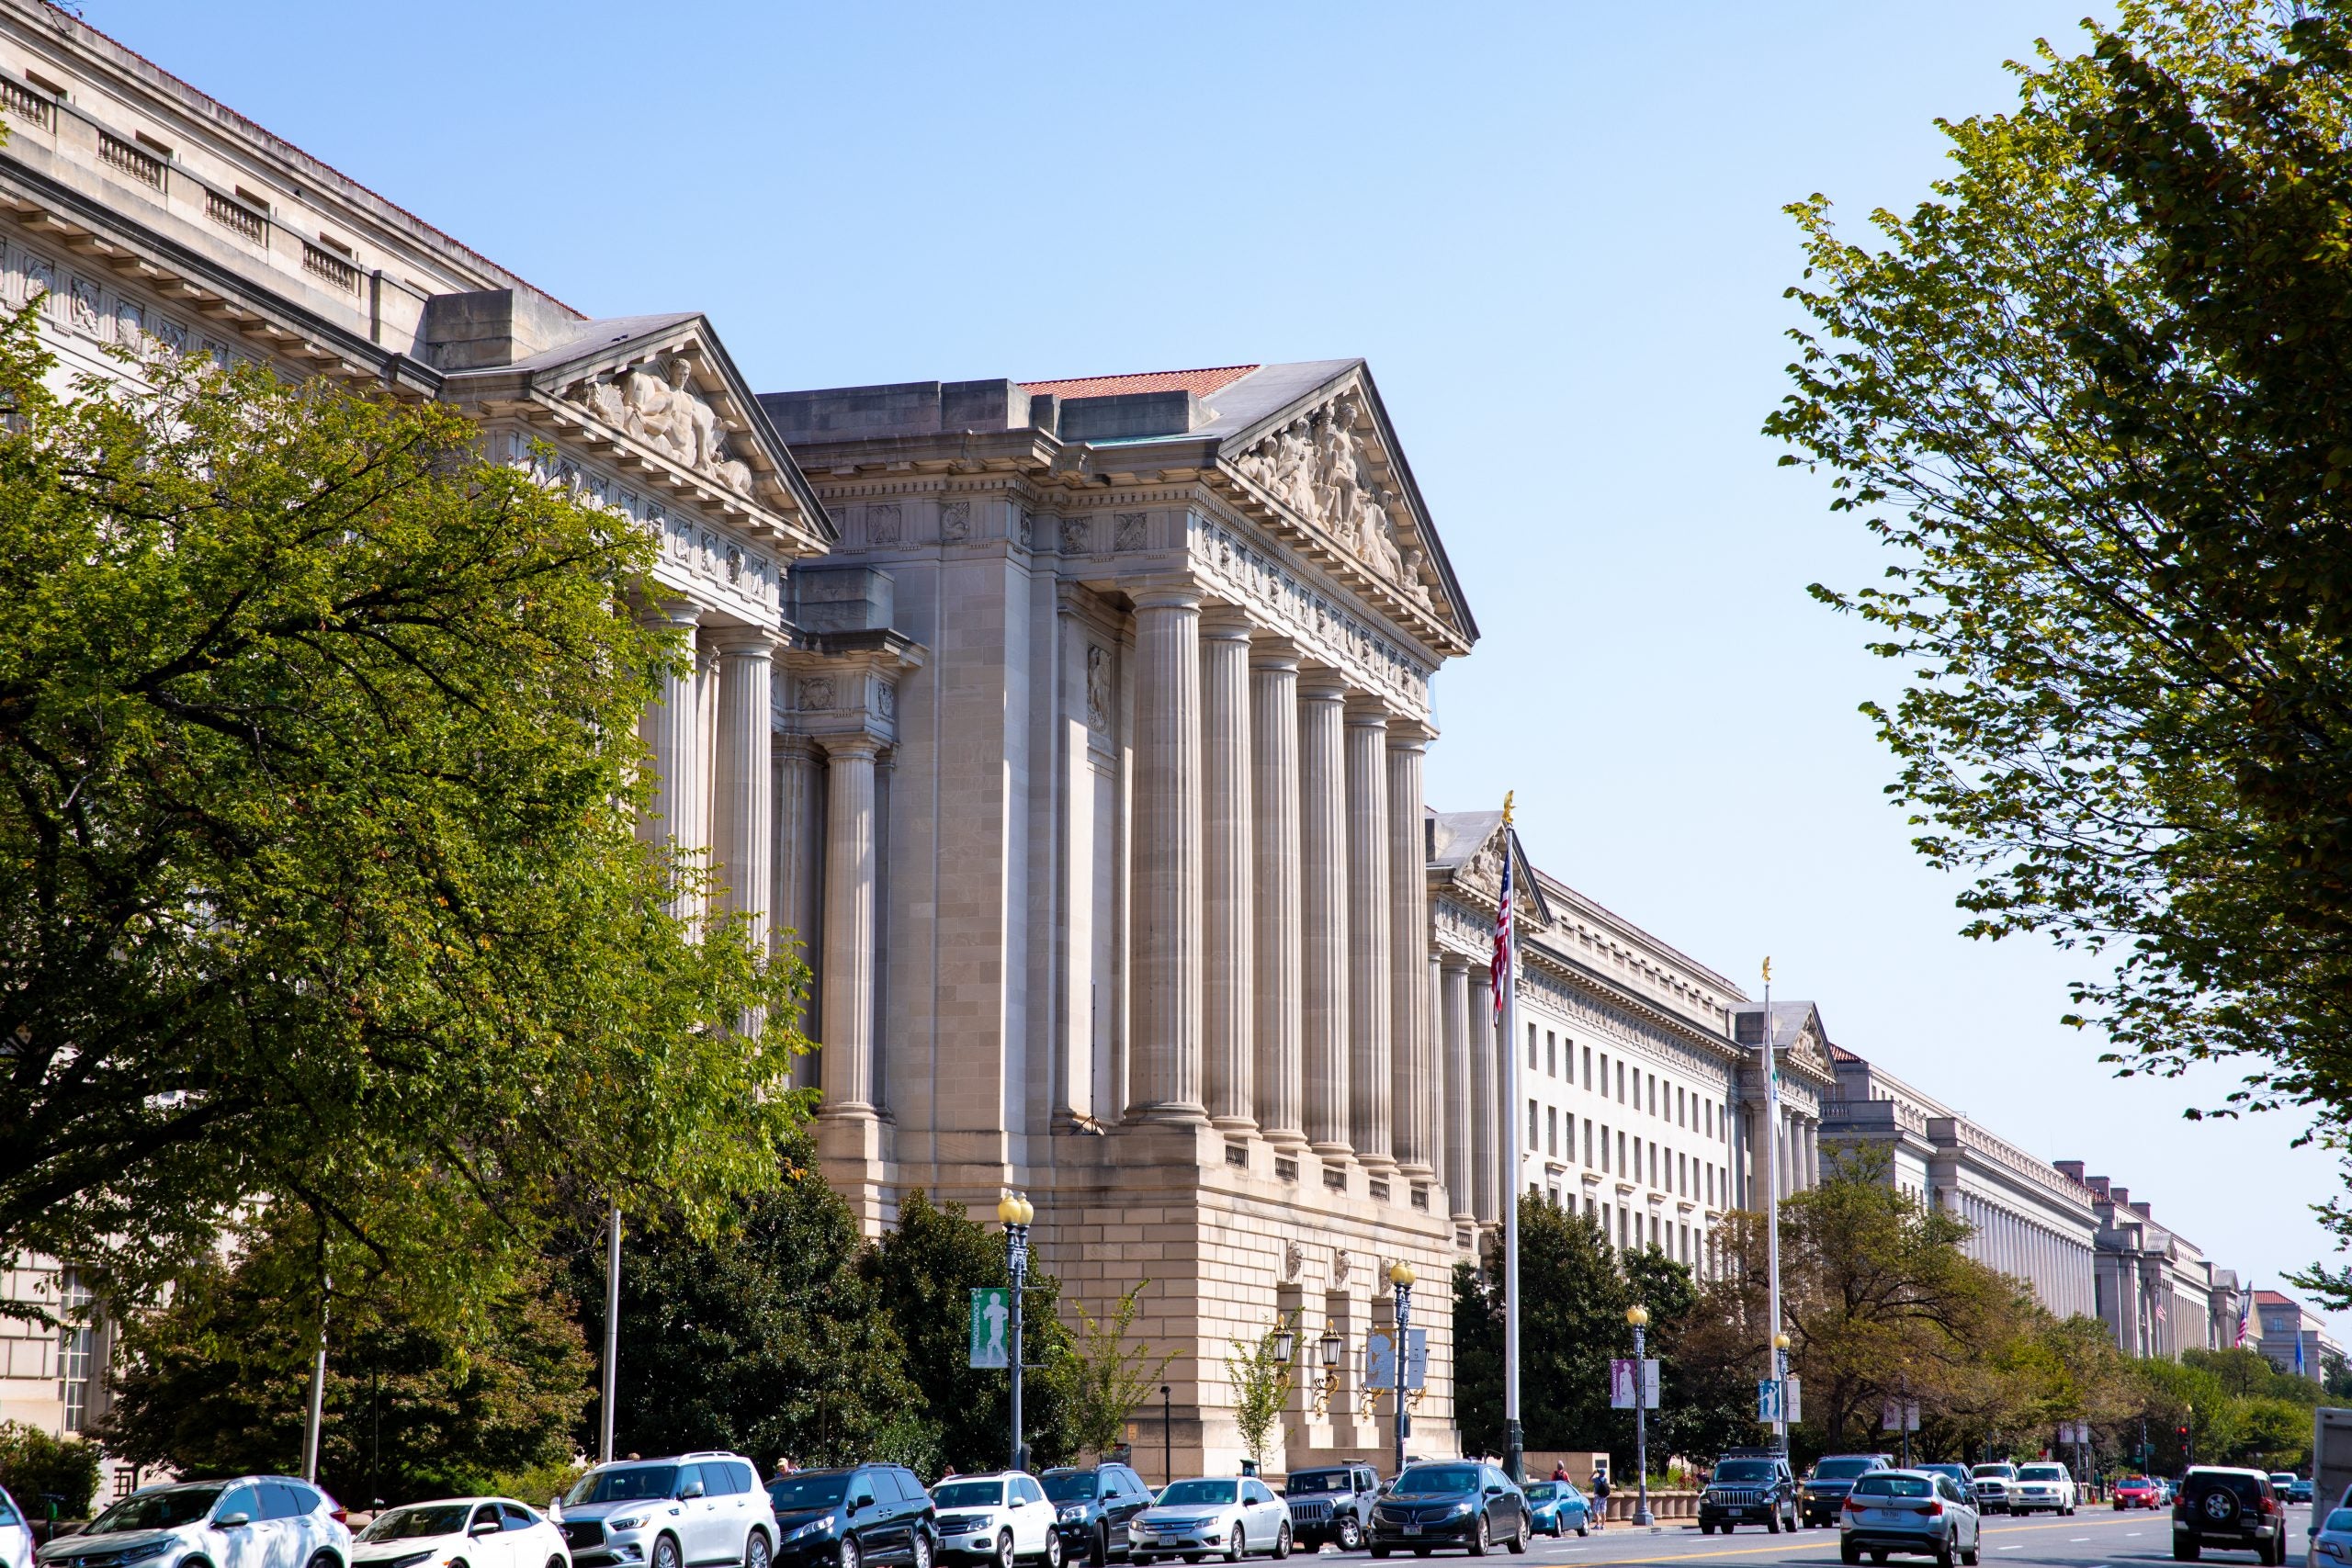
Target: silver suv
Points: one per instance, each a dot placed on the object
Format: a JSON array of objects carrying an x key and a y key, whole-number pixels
[
  {"x": 254, "y": 1521},
  {"x": 682, "y": 1512}
]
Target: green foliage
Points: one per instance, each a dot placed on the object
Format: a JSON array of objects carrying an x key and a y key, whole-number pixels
[
  {"x": 1102, "y": 1378},
  {"x": 40, "y": 1471},
  {"x": 1261, "y": 1382},
  {"x": 537, "y": 1484},
  {"x": 767, "y": 1337},
  {"x": 2093, "y": 397},
  {"x": 217, "y": 1383},
  {"x": 319, "y": 873},
  {"x": 925, "y": 1270}
]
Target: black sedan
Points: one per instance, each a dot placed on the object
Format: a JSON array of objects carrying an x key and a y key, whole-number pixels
[{"x": 1458, "y": 1505}]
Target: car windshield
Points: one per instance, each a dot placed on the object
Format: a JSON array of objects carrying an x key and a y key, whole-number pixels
[
  {"x": 795, "y": 1493},
  {"x": 407, "y": 1524},
  {"x": 1744, "y": 1469},
  {"x": 1843, "y": 1468},
  {"x": 1069, "y": 1485},
  {"x": 2136, "y": 1482},
  {"x": 1994, "y": 1473},
  {"x": 2282, "y": 1479},
  {"x": 1894, "y": 1486},
  {"x": 1425, "y": 1480},
  {"x": 1194, "y": 1493},
  {"x": 623, "y": 1483},
  {"x": 2043, "y": 1473},
  {"x": 1308, "y": 1482},
  {"x": 1540, "y": 1491},
  {"x": 968, "y": 1495},
  {"x": 2339, "y": 1522},
  {"x": 163, "y": 1508}
]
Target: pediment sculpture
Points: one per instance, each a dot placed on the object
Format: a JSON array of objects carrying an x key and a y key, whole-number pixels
[
  {"x": 1483, "y": 871},
  {"x": 658, "y": 405},
  {"x": 1321, "y": 466}
]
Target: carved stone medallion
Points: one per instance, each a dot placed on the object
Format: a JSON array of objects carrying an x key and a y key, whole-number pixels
[
  {"x": 816, "y": 692},
  {"x": 954, "y": 521},
  {"x": 1127, "y": 530},
  {"x": 1078, "y": 536}
]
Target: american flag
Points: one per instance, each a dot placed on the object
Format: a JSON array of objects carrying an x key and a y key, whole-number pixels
[
  {"x": 2246, "y": 1305},
  {"x": 1503, "y": 945}
]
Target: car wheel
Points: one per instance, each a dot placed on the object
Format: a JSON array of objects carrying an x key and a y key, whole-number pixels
[
  {"x": 1282, "y": 1543},
  {"x": 2185, "y": 1551},
  {"x": 1004, "y": 1549},
  {"x": 1052, "y": 1556},
  {"x": 1351, "y": 1534},
  {"x": 1380, "y": 1551},
  {"x": 665, "y": 1552},
  {"x": 1519, "y": 1542},
  {"x": 1237, "y": 1545},
  {"x": 923, "y": 1554},
  {"x": 1704, "y": 1529},
  {"x": 1582, "y": 1531},
  {"x": 850, "y": 1554},
  {"x": 1878, "y": 1556},
  {"x": 1772, "y": 1522},
  {"x": 1968, "y": 1558},
  {"x": 1943, "y": 1552},
  {"x": 1849, "y": 1553},
  {"x": 1098, "y": 1547},
  {"x": 1481, "y": 1539},
  {"x": 756, "y": 1552}
]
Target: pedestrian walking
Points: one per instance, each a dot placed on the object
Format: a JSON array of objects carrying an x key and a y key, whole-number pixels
[{"x": 1599, "y": 1497}]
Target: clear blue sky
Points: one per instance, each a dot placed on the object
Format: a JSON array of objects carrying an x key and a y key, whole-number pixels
[{"x": 1555, "y": 231}]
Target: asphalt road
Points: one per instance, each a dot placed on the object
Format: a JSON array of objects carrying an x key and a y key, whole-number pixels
[{"x": 2094, "y": 1538}]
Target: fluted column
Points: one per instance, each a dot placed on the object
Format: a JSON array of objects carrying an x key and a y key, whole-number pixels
[
  {"x": 850, "y": 867},
  {"x": 1226, "y": 896},
  {"x": 741, "y": 804},
  {"x": 672, "y": 731},
  {"x": 1485, "y": 1100},
  {"x": 1323, "y": 883},
  {"x": 1370, "y": 1050},
  {"x": 1454, "y": 1009},
  {"x": 1166, "y": 1048},
  {"x": 1413, "y": 1077},
  {"x": 1274, "y": 853}
]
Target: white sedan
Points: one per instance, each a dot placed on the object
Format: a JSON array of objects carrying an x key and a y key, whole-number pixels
[
  {"x": 2043, "y": 1486},
  {"x": 15, "y": 1534},
  {"x": 461, "y": 1532},
  {"x": 1196, "y": 1518}
]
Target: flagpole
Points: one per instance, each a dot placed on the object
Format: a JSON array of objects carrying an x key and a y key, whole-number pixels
[
  {"x": 1779, "y": 1358},
  {"x": 1514, "y": 1435}
]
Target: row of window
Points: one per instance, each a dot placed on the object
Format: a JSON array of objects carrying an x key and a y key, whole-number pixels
[
  {"x": 1664, "y": 1099},
  {"x": 1669, "y": 1170},
  {"x": 1620, "y": 1224}
]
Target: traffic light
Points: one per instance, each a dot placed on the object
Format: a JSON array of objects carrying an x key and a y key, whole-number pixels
[{"x": 2183, "y": 1431}]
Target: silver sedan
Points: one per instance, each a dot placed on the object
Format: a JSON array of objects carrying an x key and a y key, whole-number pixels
[{"x": 1195, "y": 1518}]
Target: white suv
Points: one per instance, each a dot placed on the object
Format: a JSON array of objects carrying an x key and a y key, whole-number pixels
[
  {"x": 254, "y": 1521},
  {"x": 692, "y": 1508},
  {"x": 1002, "y": 1518},
  {"x": 2043, "y": 1486}
]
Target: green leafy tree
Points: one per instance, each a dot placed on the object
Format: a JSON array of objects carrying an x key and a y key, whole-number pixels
[
  {"x": 217, "y": 1381},
  {"x": 1706, "y": 1402},
  {"x": 1262, "y": 1380},
  {"x": 1573, "y": 1297},
  {"x": 1104, "y": 1379},
  {"x": 319, "y": 880},
  {"x": 766, "y": 1337},
  {"x": 2092, "y": 396},
  {"x": 926, "y": 1269},
  {"x": 44, "y": 1472}
]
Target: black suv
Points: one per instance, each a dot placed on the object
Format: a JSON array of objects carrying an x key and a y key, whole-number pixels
[
  {"x": 875, "y": 1513},
  {"x": 1832, "y": 1476},
  {"x": 2237, "y": 1510},
  {"x": 1330, "y": 1502},
  {"x": 1091, "y": 1508},
  {"x": 1750, "y": 1486}
]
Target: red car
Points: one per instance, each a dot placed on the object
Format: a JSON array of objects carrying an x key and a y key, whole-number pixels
[{"x": 2135, "y": 1492}]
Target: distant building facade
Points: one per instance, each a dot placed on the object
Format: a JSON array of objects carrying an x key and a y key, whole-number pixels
[
  {"x": 2293, "y": 1339},
  {"x": 2158, "y": 1294}
]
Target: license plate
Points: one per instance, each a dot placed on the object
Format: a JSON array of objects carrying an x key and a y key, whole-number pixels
[{"x": 1412, "y": 1529}]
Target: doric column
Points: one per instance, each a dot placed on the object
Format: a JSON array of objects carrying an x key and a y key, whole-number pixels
[
  {"x": 673, "y": 732},
  {"x": 794, "y": 921},
  {"x": 1370, "y": 957},
  {"x": 1274, "y": 848},
  {"x": 1485, "y": 1099},
  {"x": 741, "y": 810},
  {"x": 1166, "y": 1046},
  {"x": 1413, "y": 1077},
  {"x": 850, "y": 866},
  {"x": 1453, "y": 1010},
  {"x": 1323, "y": 881},
  {"x": 1226, "y": 896}
]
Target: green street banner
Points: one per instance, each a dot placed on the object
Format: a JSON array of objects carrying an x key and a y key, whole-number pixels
[{"x": 991, "y": 1313}]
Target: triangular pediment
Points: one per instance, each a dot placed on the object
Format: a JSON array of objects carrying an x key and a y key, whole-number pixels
[
  {"x": 1330, "y": 462},
  {"x": 1471, "y": 856},
  {"x": 665, "y": 387}
]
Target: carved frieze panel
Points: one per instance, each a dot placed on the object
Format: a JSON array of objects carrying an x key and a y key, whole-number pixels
[
  {"x": 882, "y": 523},
  {"x": 1128, "y": 530},
  {"x": 1325, "y": 632},
  {"x": 955, "y": 522},
  {"x": 1328, "y": 467},
  {"x": 658, "y": 404},
  {"x": 1078, "y": 536},
  {"x": 94, "y": 307}
]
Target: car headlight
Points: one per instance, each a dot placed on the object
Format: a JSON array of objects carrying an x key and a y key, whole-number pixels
[
  {"x": 814, "y": 1527},
  {"x": 153, "y": 1549},
  {"x": 406, "y": 1559},
  {"x": 1465, "y": 1507},
  {"x": 1073, "y": 1512}
]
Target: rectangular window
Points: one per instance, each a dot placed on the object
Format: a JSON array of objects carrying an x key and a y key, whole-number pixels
[
  {"x": 1653, "y": 1094},
  {"x": 1588, "y": 1066},
  {"x": 1530, "y": 1126},
  {"x": 1588, "y": 1142},
  {"x": 1711, "y": 1186},
  {"x": 1623, "y": 1228},
  {"x": 1531, "y": 1047},
  {"x": 76, "y": 1339},
  {"x": 1620, "y": 1082},
  {"x": 1681, "y": 1108},
  {"x": 1620, "y": 1156},
  {"x": 1604, "y": 1149},
  {"x": 1604, "y": 1075},
  {"x": 1551, "y": 1054},
  {"x": 1551, "y": 1131}
]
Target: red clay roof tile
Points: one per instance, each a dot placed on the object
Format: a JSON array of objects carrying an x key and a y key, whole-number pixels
[{"x": 1200, "y": 383}]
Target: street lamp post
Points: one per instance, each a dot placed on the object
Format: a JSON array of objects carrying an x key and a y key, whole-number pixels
[
  {"x": 1639, "y": 1316},
  {"x": 1168, "y": 1433},
  {"x": 1016, "y": 1211},
  {"x": 1780, "y": 1391},
  {"x": 1400, "y": 1274}
]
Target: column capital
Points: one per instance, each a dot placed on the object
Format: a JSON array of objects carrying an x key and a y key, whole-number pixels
[
  {"x": 839, "y": 748},
  {"x": 669, "y": 611},
  {"x": 1166, "y": 595},
  {"x": 1269, "y": 652},
  {"x": 741, "y": 641},
  {"x": 1451, "y": 961},
  {"x": 1407, "y": 734},
  {"x": 1367, "y": 712},
  {"x": 1221, "y": 622},
  {"x": 1321, "y": 684}
]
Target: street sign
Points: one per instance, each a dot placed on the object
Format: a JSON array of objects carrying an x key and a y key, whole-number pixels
[
  {"x": 1417, "y": 1360},
  {"x": 1767, "y": 1401},
  {"x": 1796, "y": 1400},
  {"x": 1899, "y": 1415},
  {"x": 1620, "y": 1383},
  {"x": 992, "y": 1311},
  {"x": 1380, "y": 1359}
]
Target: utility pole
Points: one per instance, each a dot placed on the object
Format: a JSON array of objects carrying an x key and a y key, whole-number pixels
[
  {"x": 318, "y": 1389},
  {"x": 1507, "y": 999},
  {"x": 1772, "y": 1223},
  {"x": 612, "y": 1334},
  {"x": 1016, "y": 1211},
  {"x": 1639, "y": 1316},
  {"x": 1400, "y": 1274}
]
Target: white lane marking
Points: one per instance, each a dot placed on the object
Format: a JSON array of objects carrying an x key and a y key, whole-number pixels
[
  {"x": 2003, "y": 1548},
  {"x": 2128, "y": 1534},
  {"x": 2069, "y": 1540}
]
